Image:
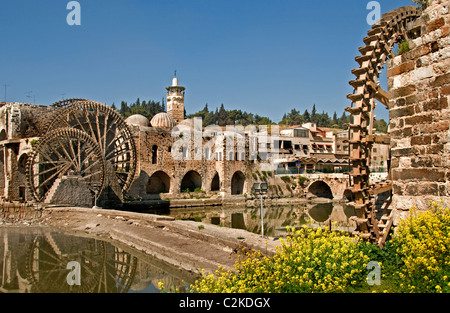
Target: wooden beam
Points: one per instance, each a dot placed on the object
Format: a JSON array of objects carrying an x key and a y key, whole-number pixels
[
  {"x": 380, "y": 188},
  {"x": 380, "y": 94},
  {"x": 381, "y": 139}
]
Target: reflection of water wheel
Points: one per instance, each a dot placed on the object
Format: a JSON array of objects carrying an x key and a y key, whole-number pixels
[
  {"x": 380, "y": 41},
  {"x": 103, "y": 268},
  {"x": 47, "y": 265},
  {"x": 108, "y": 129},
  {"x": 118, "y": 272},
  {"x": 64, "y": 151}
]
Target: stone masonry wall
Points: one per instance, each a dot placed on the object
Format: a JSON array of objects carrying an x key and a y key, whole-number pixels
[{"x": 419, "y": 88}]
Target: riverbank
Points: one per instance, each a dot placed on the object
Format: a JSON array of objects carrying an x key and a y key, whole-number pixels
[
  {"x": 188, "y": 245},
  {"x": 248, "y": 201}
]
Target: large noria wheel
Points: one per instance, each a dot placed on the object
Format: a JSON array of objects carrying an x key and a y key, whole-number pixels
[
  {"x": 109, "y": 130},
  {"x": 379, "y": 44},
  {"x": 62, "y": 152}
]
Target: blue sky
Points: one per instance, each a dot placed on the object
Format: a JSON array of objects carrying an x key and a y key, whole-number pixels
[{"x": 260, "y": 56}]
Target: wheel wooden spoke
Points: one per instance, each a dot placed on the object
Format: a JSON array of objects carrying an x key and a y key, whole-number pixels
[
  {"x": 49, "y": 170},
  {"x": 54, "y": 175},
  {"x": 70, "y": 157}
]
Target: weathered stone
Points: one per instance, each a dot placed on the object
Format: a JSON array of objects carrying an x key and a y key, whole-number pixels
[
  {"x": 421, "y": 140},
  {"x": 441, "y": 80},
  {"x": 414, "y": 189},
  {"x": 418, "y": 174},
  {"x": 401, "y": 152},
  {"x": 405, "y": 67},
  {"x": 419, "y": 119},
  {"x": 433, "y": 25},
  {"x": 402, "y": 91},
  {"x": 405, "y": 111}
]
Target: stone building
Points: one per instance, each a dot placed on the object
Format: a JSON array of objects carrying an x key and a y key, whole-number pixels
[
  {"x": 20, "y": 126},
  {"x": 419, "y": 88},
  {"x": 177, "y": 158}
]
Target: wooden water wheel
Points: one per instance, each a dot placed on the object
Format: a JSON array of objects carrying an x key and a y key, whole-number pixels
[
  {"x": 63, "y": 152},
  {"x": 108, "y": 129},
  {"x": 379, "y": 44}
]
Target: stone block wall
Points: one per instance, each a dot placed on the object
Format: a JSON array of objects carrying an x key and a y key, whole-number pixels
[{"x": 419, "y": 88}]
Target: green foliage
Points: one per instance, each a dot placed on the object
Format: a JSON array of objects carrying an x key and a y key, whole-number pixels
[
  {"x": 33, "y": 142},
  {"x": 380, "y": 125},
  {"x": 321, "y": 119},
  {"x": 223, "y": 117},
  {"x": 303, "y": 181},
  {"x": 421, "y": 2},
  {"x": 308, "y": 261},
  {"x": 422, "y": 245},
  {"x": 146, "y": 108},
  {"x": 401, "y": 48}
]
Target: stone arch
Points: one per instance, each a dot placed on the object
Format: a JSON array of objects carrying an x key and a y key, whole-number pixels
[
  {"x": 320, "y": 189},
  {"x": 191, "y": 181},
  {"x": 321, "y": 212},
  {"x": 237, "y": 183},
  {"x": 159, "y": 182},
  {"x": 215, "y": 183},
  {"x": 3, "y": 135},
  {"x": 348, "y": 195},
  {"x": 22, "y": 162}
]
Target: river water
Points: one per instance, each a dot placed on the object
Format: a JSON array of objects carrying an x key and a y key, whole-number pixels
[
  {"x": 276, "y": 218},
  {"x": 41, "y": 259}
]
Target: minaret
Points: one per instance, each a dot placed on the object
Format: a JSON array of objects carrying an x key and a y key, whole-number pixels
[{"x": 175, "y": 100}]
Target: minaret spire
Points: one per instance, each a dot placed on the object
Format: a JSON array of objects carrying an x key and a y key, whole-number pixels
[{"x": 175, "y": 100}]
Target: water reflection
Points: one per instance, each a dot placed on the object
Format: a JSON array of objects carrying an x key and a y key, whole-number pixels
[
  {"x": 276, "y": 218},
  {"x": 36, "y": 260}
]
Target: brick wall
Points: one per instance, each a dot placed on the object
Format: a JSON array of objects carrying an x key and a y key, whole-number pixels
[{"x": 419, "y": 87}]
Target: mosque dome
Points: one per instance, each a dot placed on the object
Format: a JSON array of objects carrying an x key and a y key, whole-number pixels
[
  {"x": 163, "y": 120},
  {"x": 138, "y": 120}
]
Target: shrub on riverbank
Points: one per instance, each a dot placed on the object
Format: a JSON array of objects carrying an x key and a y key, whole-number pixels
[
  {"x": 309, "y": 260},
  {"x": 420, "y": 251},
  {"x": 416, "y": 259}
]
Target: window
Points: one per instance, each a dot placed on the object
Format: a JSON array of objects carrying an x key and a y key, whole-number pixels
[
  {"x": 287, "y": 144},
  {"x": 155, "y": 154}
]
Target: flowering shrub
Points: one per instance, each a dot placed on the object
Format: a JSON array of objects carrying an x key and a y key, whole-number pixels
[
  {"x": 309, "y": 260},
  {"x": 416, "y": 259},
  {"x": 422, "y": 245}
]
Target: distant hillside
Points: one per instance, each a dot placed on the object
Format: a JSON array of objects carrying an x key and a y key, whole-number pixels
[{"x": 222, "y": 117}]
